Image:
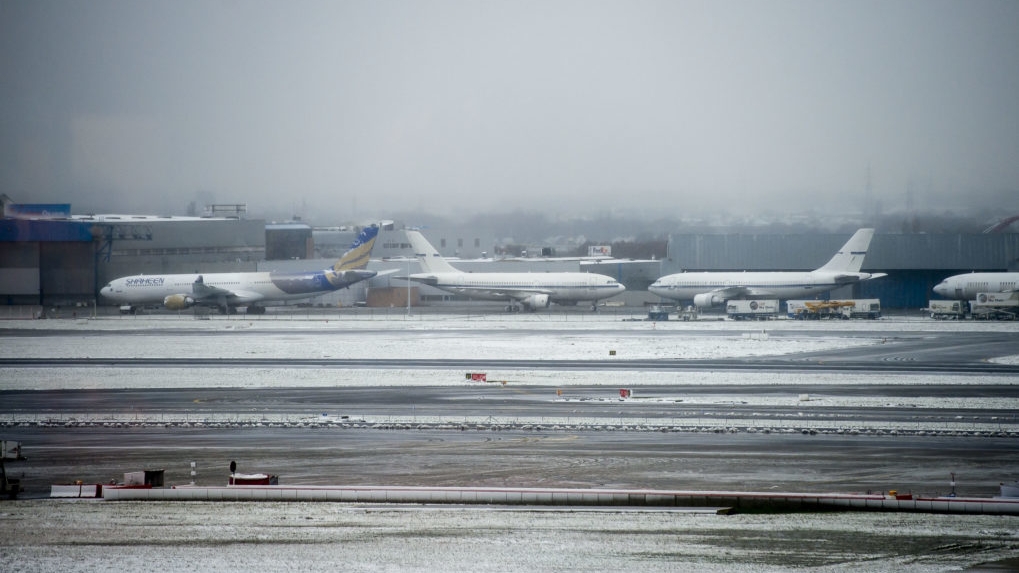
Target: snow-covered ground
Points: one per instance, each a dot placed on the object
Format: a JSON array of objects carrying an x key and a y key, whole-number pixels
[
  {"x": 453, "y": 336},
  {"x": 88, "y": 537},
  {"x": 459, "y": 343},
  {"x": 538, "y": 336}
]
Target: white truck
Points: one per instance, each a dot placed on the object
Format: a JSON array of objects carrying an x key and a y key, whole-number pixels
[
  {"x": 865, "y": 308},
  {"x": 10, "y": 450},
  {"x": 995, "y": 306},
  {"x": 947, "y": 309},
  {"x": 751, "y": 309}
]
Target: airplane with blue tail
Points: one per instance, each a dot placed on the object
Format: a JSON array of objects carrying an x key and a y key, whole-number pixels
[{"x": 227, "y": 291}]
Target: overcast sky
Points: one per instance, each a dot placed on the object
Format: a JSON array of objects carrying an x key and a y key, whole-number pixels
[{"x": 341, "y": 110}]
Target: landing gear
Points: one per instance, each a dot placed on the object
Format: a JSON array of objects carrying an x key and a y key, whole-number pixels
[{"x": 255, "y": 309}]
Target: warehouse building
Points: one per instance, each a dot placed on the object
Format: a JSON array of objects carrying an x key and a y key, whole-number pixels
[{"x": 50, "y": 257}]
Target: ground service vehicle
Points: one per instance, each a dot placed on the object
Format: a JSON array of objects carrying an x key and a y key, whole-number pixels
[
  {"x": 751, "y": 309},
  {"x": 826, "y": 309},
  {"x": 995, "y": 306},
  {"x": 947, "y": 309}
]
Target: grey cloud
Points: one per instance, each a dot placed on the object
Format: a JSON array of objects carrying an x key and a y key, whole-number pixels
[{"x": 461, "y": 106}]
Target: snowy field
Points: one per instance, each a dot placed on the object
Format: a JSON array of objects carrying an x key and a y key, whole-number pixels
[
  {"x": 497, "y": 336},
  {"x": 539, "y": 341},
  {"x": 90, "y": 537},
  {"x": 451, "y": 336}
]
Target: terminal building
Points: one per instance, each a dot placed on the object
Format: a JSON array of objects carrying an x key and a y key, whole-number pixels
[{"x": 53, "y": 258}]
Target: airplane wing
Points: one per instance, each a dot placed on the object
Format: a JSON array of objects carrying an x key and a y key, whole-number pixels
[
  {"x": 242, "y": 297},
  {"x": 202, "y": 290},
  {"x": 720, "y": 295},
  {"x": 756, "y": 292},
  {"x": 513, "y": 293},
  {"x": 204, "y": 293},
  {"x": 738, "y": 291},
  {"x": 855, "y": 277}
]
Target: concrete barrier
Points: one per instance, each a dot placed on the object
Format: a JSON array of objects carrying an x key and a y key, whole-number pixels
[{"x": 739, "y": 501}]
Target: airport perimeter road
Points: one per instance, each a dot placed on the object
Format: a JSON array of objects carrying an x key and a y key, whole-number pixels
[{"x": 859, "y": 361}]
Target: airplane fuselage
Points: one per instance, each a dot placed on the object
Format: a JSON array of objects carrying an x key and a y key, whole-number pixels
[
  {"x": 244, "y": 287},
  {"x": 780, "y": 285},
  {"x": 707, "y": 289},
  {"x": 560, "y": 288},
  {"x": 967, "y": 286},
  {"x": 251, "y": 289}
]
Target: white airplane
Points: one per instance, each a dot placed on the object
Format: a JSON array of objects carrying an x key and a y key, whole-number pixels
[
  {"x": 707, "y": 289},
  {"x": 530, "y": 290},
  {"x": 227, "y": 291},
  {"x": 966, "y": 287}
]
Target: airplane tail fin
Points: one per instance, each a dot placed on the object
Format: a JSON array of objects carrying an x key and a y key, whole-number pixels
[
  {"x": 430, "y": 259},
  {"x": 360, "y": 251},
  {"x": 850, "y": 257}
]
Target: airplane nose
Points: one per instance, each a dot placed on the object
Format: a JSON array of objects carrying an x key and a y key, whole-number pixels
[{"x": 940, "y": 288}]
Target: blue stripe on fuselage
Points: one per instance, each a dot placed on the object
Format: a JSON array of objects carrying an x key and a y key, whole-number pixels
[{"x": 302, "y": 283}]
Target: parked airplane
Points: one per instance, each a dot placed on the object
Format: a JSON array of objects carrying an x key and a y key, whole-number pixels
[
  {"x": 531, "y": 290},
  {"x": 227, "y": 291},
  {"x": 966, "y": 287},
  {"x": 707, "y": 289}
]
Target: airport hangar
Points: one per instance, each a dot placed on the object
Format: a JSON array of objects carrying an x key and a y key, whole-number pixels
[{"x": 64, "y": 260}]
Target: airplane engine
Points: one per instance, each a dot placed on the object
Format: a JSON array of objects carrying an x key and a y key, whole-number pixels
[
  {"x": 707, "y": 300},
  {"x": 178, "y": 302},
  {"x": 536, "y": 301}
]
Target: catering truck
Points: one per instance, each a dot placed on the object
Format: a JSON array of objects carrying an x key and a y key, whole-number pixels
[
  {"x": 751, "y": 309},
  {"x": 947, "y": 309},
  {"x": 995, "y": 306}
]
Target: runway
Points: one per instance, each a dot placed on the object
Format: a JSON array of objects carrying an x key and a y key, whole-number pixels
[{"x": 807, "y": 363}]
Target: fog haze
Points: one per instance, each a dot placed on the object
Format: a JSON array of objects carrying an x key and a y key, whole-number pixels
[{"x": 344, "y": 110}]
